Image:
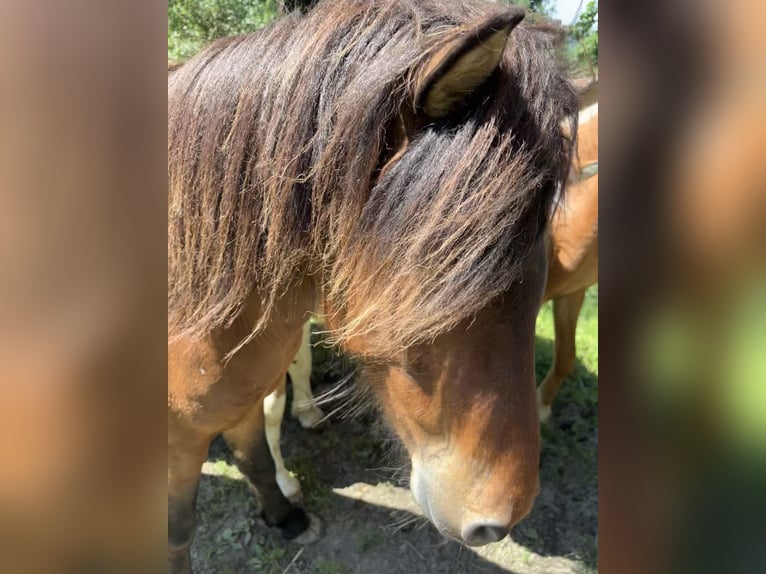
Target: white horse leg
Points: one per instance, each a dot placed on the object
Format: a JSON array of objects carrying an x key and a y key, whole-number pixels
[
  {"x": 304, "y": 407},
  {"x": 274, "y": 410}
]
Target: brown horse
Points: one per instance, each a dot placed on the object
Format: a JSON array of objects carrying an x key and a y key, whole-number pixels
[
  {"x": 572, "y": 268},
  {"x": 572, "y": 253},
  {"x": 397, "y": 159}
]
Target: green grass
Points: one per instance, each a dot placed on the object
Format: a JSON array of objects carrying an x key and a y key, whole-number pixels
[
  {"x": 331, "y": 567},
  {"x": 316, "y": 494},
  {"x": 587, "y": 333},
  {"x": 266, "y": 558},
  {"x": 569, "y": 448},
  {"x": 366, "y": 449},
  {"x": 369, "y": 539},
  {"x": 581, "y": 386}
]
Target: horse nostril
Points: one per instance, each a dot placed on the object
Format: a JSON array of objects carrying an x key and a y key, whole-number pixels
[{"x": 480, "y": 533}]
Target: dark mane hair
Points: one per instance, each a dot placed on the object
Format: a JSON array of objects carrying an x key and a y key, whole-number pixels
[{"x": 274, "y": 146}]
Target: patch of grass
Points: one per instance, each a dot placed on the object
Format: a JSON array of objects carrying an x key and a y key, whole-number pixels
[
  {"x": 316, "y": 495},
  {"x": 528, "y": 535},
  {"x": 327, "y": 441},
  {"x": 265, "y": 558},
  {"x": 581, "y": 387},
  {"x": 365, "y": 449},
  {"x": 586, "y": 337},
  {"x": 569, "y": 455},
  {"x": 584, "y": 569},
  {"x": 237, "y": 534},
  {"x": 369, "y": 539},
  {"x": 331, "y": 567},
  {"x": 221, "y": 483}
]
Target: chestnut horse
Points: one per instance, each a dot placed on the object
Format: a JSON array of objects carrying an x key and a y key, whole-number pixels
[
  {"x": 572, "y": 255},
  {"x": 396, "y": 159}
]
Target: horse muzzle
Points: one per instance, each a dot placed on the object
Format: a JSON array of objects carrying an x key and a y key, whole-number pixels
[{"x": 458, "y": 514}]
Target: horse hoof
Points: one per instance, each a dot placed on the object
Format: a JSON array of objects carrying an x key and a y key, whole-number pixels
[
  {"x": 300, "y": 527},
  {"x": 310, "y": 417},
  {"x": 290, "y": 487},
  {"x": 312, "y": 533}
]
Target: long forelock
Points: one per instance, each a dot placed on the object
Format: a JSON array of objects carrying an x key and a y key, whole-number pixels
[{"x": 451, "y": 224}]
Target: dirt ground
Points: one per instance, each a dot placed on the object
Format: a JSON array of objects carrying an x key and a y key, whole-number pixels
[{"x": 354, "y": 478}]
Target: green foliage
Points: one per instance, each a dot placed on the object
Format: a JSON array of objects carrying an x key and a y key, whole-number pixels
[
  {"x": 581, "y": 40},
  {"x": 193, "y": 23},
  {"x": 540, "y": 6},
  {"x": 584, "y": 32},
  {"x": 265, "y": 558}
]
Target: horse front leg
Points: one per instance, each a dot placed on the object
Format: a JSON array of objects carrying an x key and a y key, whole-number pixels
[
  {"x": 186, "y": 453},
  {"x": 250, "y": 447}
]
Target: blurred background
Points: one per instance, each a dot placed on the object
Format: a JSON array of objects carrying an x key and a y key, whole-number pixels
[{"x": 682, "y": 396}]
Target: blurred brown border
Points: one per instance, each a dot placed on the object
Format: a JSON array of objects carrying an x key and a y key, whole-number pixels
[
  {"x": 82, "y": 288},
  {"x": 681, "y": 246}
]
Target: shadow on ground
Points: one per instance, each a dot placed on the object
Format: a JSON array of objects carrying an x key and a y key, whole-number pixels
[{"x": 349, "y": 462}]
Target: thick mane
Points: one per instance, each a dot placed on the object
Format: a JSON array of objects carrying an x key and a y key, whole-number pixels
[{"x": 274, "y": 146}]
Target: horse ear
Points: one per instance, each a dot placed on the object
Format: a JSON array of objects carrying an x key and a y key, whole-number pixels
[
  {"x": 457, "y": 67},
  {"x": 586, "y": 90}
]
